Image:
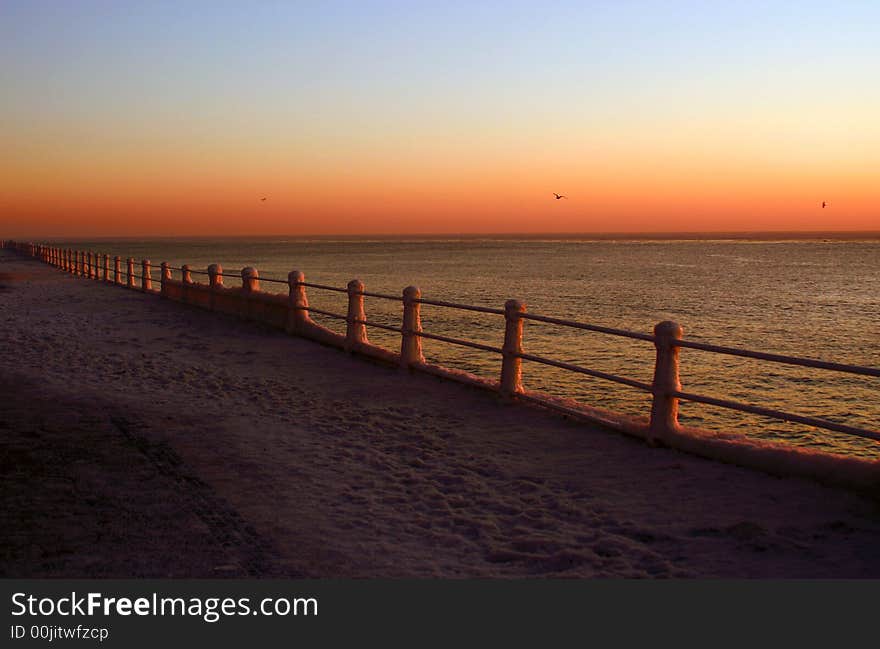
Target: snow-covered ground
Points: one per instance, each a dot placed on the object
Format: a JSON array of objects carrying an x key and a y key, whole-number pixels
[{"x": 147, "y": 438}]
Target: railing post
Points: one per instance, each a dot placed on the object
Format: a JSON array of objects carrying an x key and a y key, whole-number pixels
[
  {"x": 89, "y": 265},
  {"x": 130, "y": 271},
  {"x": 511, "y": 363},
  {"x": 117, "y": 269},
  {"x": 411, "y": 342},
  {"x": 250, "y": 280},
  {"x": 106, "y": 268},
  {"x": 355, "y": 330},
  {"x": 215, "y": 275},
  {"x": 185, "y": 280},
  {"x": 664, "y": 407},
  {"x": 215, "y": 281},
  {"x": 250, "y": 284},
  {"x": 163, "y": 279},
  {"x": 297, "y": 303},
  {"x": 82, "y": 263},
  {"x": 146, "y": 278}
]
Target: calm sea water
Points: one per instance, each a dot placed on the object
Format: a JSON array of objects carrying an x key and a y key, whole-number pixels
[{"x": 814, "y": 298}]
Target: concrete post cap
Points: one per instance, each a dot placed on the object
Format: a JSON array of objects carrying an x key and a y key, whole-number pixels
[
  {"x": 668, "y": 328},
  {"x": 412, "y": 293},
  {"x": 515, "y": 305}
]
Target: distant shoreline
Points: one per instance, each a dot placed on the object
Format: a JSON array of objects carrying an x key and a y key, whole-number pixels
[{"x": 767, "y": 236}]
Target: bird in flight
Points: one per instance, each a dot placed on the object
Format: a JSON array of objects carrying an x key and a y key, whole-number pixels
[
  {"x": 824, "y": 203},
  {"x": 558, "y": 196},
  {"x": 263, "y": 199}
]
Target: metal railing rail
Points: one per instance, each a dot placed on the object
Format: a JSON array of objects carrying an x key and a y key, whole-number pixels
[
  {"x": 588, "y": 327},
  {"x": 779, "y": 358},
  {"x": 463, "y": 307},
  {"x": 779, "y": 414},
  {"x": 639, "y": 385}
]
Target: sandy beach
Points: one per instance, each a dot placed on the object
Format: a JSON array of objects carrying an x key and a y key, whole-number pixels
[{"x": 145, "y": 438}]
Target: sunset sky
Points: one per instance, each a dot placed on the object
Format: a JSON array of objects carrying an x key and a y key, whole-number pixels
[{"x": 165, "y": 118}]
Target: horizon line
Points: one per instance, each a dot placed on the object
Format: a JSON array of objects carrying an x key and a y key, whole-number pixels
[{"x": 679, "y": 234}]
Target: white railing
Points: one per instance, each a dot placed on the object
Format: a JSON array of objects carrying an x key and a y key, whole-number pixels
[{"x": 293, "y": 313}]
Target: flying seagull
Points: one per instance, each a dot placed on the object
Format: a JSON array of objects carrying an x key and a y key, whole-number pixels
[
  {"x": 264, "y": 198},
  {"x": 558, "y": 196},
  {"x": 824, "y": 204}
]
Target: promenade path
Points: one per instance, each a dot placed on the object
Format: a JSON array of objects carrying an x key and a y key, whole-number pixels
[{"x": 143, "y": 438}]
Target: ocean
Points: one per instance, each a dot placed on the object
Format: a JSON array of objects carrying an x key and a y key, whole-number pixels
[{"x": 810, "y": 297}]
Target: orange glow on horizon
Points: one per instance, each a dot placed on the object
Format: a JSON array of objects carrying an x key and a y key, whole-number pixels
[
  {"x": 442, "y": 119},
  {"x": 687, "y": 180}
]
